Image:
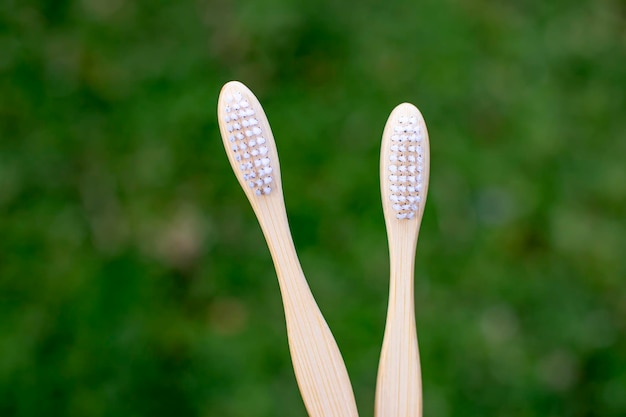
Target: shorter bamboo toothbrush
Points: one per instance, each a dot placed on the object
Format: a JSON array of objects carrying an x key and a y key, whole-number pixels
[
  {"x": 404, "y": 172},
  {"x": 251, "y": 150}
]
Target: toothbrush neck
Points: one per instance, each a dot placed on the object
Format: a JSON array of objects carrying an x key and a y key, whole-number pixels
[
  {"x": 278, "y": 236},
  {"x": 402, "y": 264}
]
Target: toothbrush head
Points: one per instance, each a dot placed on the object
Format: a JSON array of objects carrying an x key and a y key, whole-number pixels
[
  {"x": 248, "y": 140},
  {"x": 404, "y": 164}
]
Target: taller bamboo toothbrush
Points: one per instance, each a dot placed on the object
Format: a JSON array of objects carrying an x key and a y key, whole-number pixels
[
  {"x": 404, "y": 171},
  {"x": 249, "y": 143}
]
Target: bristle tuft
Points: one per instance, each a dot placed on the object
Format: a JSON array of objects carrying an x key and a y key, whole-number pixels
[
  {"x": 407, "y": 164},
  {"x": 248, "y": 143}
]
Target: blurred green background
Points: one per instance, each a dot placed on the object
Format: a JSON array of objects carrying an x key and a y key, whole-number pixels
[{"x": 135, "y": 281}]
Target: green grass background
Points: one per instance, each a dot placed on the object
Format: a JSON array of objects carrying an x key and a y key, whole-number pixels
[{"x": 135, "y": 281}]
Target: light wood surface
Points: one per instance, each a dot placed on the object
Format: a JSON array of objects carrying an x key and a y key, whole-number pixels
[
  {"x": 319, "y": 368},
  {"x": 399, "y": 386}
]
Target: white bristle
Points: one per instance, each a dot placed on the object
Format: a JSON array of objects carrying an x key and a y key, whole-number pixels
[
  {"x": 407, "y": 162},
  {"x": 248, "y": 144}
]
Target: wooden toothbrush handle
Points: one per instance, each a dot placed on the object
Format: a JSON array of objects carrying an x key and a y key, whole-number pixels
[
  {"x": 320, "y": 371},
  {"x": 399, "y": 384}
]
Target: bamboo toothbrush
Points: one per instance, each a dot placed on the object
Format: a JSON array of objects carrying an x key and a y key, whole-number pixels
[
  {"x": 404, "y": 171},
  {"x": 319, "y": 368}
]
